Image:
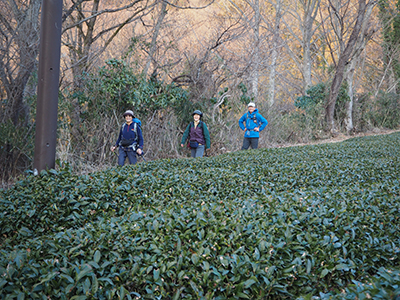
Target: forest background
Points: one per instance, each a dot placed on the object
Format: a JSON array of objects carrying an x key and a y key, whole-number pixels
[{"x": 315, "y": 68}]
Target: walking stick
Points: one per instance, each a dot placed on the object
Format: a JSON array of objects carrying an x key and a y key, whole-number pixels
[{"x": 142, "y": 155}]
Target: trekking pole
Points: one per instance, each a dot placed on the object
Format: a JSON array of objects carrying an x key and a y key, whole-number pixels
[
  {"x": 115, "y": 153},
  {"x": 142, "y": 155}
]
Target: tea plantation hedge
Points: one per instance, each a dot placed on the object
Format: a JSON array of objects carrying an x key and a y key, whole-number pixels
[{"x": 312, "y": 222}]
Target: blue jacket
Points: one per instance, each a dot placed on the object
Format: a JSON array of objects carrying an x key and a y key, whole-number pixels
[
  {"x": 127, "y": 131},
  {"x": 252, "y": 121}
]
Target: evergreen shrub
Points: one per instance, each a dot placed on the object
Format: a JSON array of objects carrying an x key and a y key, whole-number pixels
[{"x": 296, "y": 222}]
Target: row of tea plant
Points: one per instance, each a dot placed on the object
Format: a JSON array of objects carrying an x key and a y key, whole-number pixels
[{"x": 311, "y": 222}]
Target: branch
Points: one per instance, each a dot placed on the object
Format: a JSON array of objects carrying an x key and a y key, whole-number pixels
[
  {"x": 184, "y": 79},
  {"x": 189, "y": 7},
  {"x": 72, "y": 9},
  {"x": 105, "y": 11},
  {"x": 219, "y": 102}
]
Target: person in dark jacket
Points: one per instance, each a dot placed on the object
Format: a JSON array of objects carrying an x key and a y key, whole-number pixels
[
  {"x": 130, "y": 139},
  {"x": 252, "y": 123},
  {"x": 198, "y": 135}
]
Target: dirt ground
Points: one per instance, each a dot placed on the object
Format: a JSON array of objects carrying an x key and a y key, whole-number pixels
[{"x": 342, "y": 137}]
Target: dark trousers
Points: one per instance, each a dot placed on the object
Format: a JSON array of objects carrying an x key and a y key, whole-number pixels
[
  {"x": 247, "y": 142},
  {"x": 124, "y": 153}
]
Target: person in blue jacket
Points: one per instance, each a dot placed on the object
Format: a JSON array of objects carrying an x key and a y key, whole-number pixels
[
  {"x": 130, "y": 139},
  {"x": 252, "y": 123}
]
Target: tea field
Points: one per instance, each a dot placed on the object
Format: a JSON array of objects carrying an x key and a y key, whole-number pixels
[{"x": 311, "y": 222}]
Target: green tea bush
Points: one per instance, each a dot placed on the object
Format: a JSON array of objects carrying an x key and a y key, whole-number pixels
[
  {"x": 386, "y": 112},
  {"x": 308, "y": 119},
  {"x": 384, "y": 285},
  {"x": 16, "y": 149},
  {"x": 311, "y": 110},
  {"x": 299, "y": 222},
  {"x": 380, "y": 112}
]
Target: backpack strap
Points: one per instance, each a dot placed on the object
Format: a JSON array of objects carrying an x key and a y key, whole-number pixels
[
  {"x": 135, "y": 125},
  {"x": 200, "y": 125},
  {"x": 254, "y": 118}
]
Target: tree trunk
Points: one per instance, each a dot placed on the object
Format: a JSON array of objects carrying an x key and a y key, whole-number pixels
[
  {"x": 153, "y": 45},
  {"x": 361, "y": 43},
  {"x": 20, "y": 45},
  {"x": 350, "y": 91},
  {"x": 340, "y": 69},
  {"x": 310, "y": 13},
  {"x": 274, "y": 54},
  {"x": 255, "y": 70}
]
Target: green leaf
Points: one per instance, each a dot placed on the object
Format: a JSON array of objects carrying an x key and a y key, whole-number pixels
[
  {"x": 337, "y": 245},
  {"x": 248, "y": 283},
  {"x": 271, "y": 270},
  {"x": 97, "y": 256},
  {"x": 3, "y": 283},
  {"x": 343, "y": 267},
  {"x": 69, "y": 278},
  {"x": 242, "y": 295},
  {"x": 48, "y": 277},
  {"x": 324, "y": 273},
  {"x": 87, "y": 269},
  {"x": 309, "y": 266},
  {"x": 123, "y": 292},
  {"x": 195, "y": 259},
  {"x": 19, "y": 260},
  {"x": 206, "y": 266},
  {"x": 95, "y": 285},
  {"x": 156, "y": 274},
  {"x": 178, "y": 293}
]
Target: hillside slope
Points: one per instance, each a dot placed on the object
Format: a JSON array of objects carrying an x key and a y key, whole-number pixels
[{"x": 277, "y": 223}]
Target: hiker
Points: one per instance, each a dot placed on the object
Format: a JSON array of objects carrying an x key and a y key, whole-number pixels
[
  {"x": 252, "y": 123},
  {"x": 130, "y": 139},
  {"x": 197, "y": 134}
]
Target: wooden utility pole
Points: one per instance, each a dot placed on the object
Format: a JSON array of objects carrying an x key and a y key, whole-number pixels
[{"x": 48, "y": 76}]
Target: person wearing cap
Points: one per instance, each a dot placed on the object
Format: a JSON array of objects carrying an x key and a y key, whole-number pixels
[
  {"x": 198, "y": 135},
  {"x": 130, "y": 139},
  {"x": 252, "y": 123}
]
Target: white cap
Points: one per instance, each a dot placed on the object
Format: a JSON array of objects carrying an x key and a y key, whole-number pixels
[
  {"x": 251, "y": 104},
  {"x": 129, "y": 112}
]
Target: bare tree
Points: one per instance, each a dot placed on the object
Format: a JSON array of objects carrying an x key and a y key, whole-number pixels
[
  {"x": 90, "y": 27},
  {"x": 251, "y": 19},
  {"x": 202, "y": 75},
  {"x": 276, "y": 40},
  {"x": 390, "y": 18},
  {"x": 344, "y": 58},
  {"x": 367, "y": 32},
  {"x": 152, "y": 49},
  {"x": 302, "y": 15},
  {"x": 19, "y": 42},
  {"x": 310, "y": 13}
]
